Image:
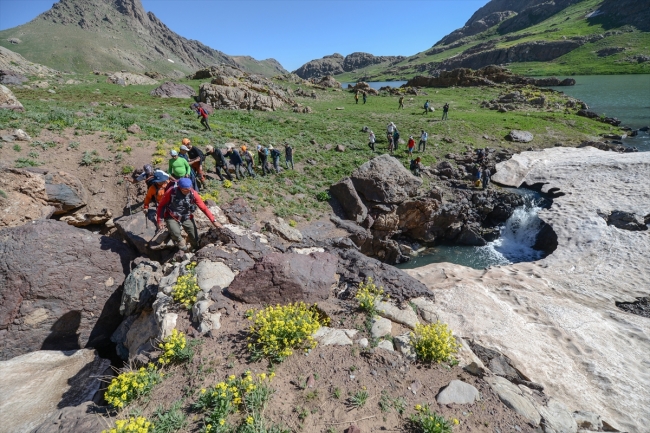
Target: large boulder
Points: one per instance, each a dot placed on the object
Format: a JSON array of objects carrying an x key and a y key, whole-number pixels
[
  {"x": 173, "y": 90},
  {"x": 11, "y": 78},
  {"x": 385, "y": 180},
  {"x": 60, "y": 287},
  {"x": 8, "y": 101},
  {"x": 128, "y": 78},
  {"x": 347, "y": 196},
  {"x": 140, "y": 287},
  {"x": 36, "y": 384},
  {"x": 139, "y": 229},
  {"x": 520, "y": 136},
  {"x": 24, "y": 198},
  {"x": 291, "y": 277},
  {"x": 65, "y": 192}
]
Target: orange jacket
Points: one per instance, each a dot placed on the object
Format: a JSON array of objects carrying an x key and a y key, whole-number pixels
[{"x": 156, "y": 193}]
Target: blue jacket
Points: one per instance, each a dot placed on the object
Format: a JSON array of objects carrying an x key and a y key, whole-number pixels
[{"x": 235, "y": 157}]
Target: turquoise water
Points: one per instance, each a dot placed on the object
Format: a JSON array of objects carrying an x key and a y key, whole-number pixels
[{"x": 626, "y": 97}]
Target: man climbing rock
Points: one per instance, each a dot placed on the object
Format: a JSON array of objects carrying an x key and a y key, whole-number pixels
[
  {"x": 157, "y": 190},
  {"x": 219, "y": 162},
  {"x": 177, "y": 208}
]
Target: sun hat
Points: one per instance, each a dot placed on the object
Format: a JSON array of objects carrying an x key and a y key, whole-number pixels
[
  {"x": 185, "y": 182},
  {"x": 209, "y": 149},
  {"x": 186, "y": 141},
  {"x": 160, "y": 176},
  {"x": 184, "y": 148},
  {"x": 270, "y": 147},
  {"x": 173, "y": 152}
]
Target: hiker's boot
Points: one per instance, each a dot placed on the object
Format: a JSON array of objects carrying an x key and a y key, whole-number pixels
[{"x": 182, "y": 246}]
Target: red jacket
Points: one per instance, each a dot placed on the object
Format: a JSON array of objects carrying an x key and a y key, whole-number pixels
[
  {"x": 167, "y": 198},
  {"x": 411, "y": 143},
  {"x": 202, "y": 112}
]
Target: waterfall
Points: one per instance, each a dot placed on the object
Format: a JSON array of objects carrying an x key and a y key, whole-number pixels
[{"x": 518, "y": 235}]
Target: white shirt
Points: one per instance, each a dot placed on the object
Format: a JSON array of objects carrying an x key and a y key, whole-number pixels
[
  {"x": 390, "y": 128},
  {"x": 424, "y": 136}
]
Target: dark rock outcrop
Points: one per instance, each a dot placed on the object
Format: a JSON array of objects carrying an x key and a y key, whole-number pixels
[
  {"x": 347, "y": 196},
  {"x": 385, "y": 180},
  {"x": 486, "y": 76},
  {"x": 173, "y": 90},
  {"x": 626, "y": 221},
  {"x": 290, "y": 277},
  {"x": 337, "y": 64},
  {"x": 60, "y": 287}
]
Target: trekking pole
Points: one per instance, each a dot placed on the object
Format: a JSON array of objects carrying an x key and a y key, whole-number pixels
[{"x": 128, "y": 198}]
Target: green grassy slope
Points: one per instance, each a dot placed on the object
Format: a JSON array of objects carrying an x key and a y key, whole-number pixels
[
  {"x": 293, "y": 193},
  {"x": 571, "y": 22}
]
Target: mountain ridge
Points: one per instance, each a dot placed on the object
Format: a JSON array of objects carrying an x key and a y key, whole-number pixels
[{"x": 109, "y": 35}]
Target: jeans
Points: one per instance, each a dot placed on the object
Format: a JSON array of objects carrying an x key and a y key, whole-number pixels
[
  {"x": 444, "y": 115},
  {"x": 287, "y": 161},
  {"x": 249, "y": 167},
  {"x": 204, "y": 122},
  {"x": 422, "y": 146},
  {"x": 174, "y": 228},
  {"x": 225, "y": 172},
  {"x": 265, "y": 168},
  {"x": 371, "y": 145},
  {"x": 239, "y": 171},
  {"x": 276, "y": 164}
]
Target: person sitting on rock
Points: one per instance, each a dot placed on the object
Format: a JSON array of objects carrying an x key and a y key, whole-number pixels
[
  {"x": 416, "y": 166},
  {"x": 219, "y": 162},
  {"x": 157, "y": 190},
  {"x": 178, "y": 167},
  {"x": 203, "y": 115},
  {"x": 177, "y": 208}
]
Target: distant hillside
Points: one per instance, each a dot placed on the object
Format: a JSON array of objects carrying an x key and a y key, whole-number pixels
[
  {"x": 268, "y": 67},
  {"x": 108, "y": 35},
  {"x": 536, "y": 37},
  {"x": 337, "y": 64}
]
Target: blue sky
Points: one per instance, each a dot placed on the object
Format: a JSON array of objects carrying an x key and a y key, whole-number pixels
[{"x": 295, "y": 31}]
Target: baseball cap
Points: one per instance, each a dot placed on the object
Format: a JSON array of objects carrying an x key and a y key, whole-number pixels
[
  {"x": 185, "y": 182},
  {"x": 184, "y": 148},
  {"x": 173, "y": 152}
]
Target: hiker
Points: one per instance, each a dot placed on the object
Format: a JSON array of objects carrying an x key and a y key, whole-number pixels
[
  {"x": 390, "y": 129},
  {"x": 247, "y": 158},
  {"x": 371, "y": 141},
  {"x": 157, "y": 190},
  {"x": 177, "y": 208},
  {"x": 365, "y": 97},
  {"x": 356, "y": 97},
  {"x": 183, "y": 153},
  {"x": 196, "y": 158},
  {"x": 401, "y": 102},
  {"x": 219, "y": 162},
  {"x": 145, "y": 174},
  {"x": 288, "y": 155},
  {"x": 445, "y": 111},
  {"x": 275, "y": 157},
  {"x": 262, "y": 158},
  {"x": 426, "y": 107},
  {"x": 178, "y": 167},
  {"x": 391, "y": 144},
  {"x": 422, "y": 145},
  {"x": 416, "y": 166},
  {"x": 396, "y": 139},
  {"x": 411, "y": 146},
  {"x": 486, "y": 177},
  {"x": 203, "y": 115},
  {"x": 236, "y": 161},
  {"x": 479, "y": 176}
]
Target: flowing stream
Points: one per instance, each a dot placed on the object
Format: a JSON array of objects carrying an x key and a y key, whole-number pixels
[{"x": 515, "y": 244}]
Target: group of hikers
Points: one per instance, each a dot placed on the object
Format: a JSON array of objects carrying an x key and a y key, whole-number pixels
[{"x": 176, "y": 191}]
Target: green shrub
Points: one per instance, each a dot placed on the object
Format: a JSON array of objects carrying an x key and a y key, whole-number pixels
[
  {"x": 175, "y": 349},
  {"x": 127, "y": 169},
  {"x": 425, "y": 421},
  {"x": 368, "y": 295},
  {"x": 277, "y": 331},
  {"x": 3, "y": 194},
  {"x": 129, "y": 385},
  {"x": 26, "y": 162},
  {"x": 323, "y": 196},
  {"x": 17, "y": 147},
  {"x": 169, "y": 421},
  {"x": 92, "y": 158},
  {"x": 186, "y": 287},
  {"x": 433, "y": 342}
]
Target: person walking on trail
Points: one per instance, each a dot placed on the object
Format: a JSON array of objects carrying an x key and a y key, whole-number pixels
[
  {"x": 401, "y": 103},
  {"x": 356, "y": 97},
  {"x": 426, "y": 107},
  {"x": 365, "y": 97},
  {"x": 196, "y": 159},
  {"x": 288, "y": 155},
  {"x": 178, "y": 167},
  {"x": 411, "y": 146},
  {"x": 396, "y": 139},
  {"x": 157, "y": 190},
  {"x": 177, "y": 209},
  {"x": 445, "y": 111},
  {"x": 391, "y": 144},
  {"x": 416, "y": 166},
  {"x": 203, "y": 115},
  {"x": 145, "y": 174},
  {"x": 422, "y": 145},
  {"x": 249, "y": 163},
  {"x": 371, "y": 141},
  {"x": 486, "y": 177},
  {"x": 275, "y": 157},
  {"x": 236, "y": 161},
  {"x": 219, "y": 162},
  {"x": 262, "y": 159}
]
